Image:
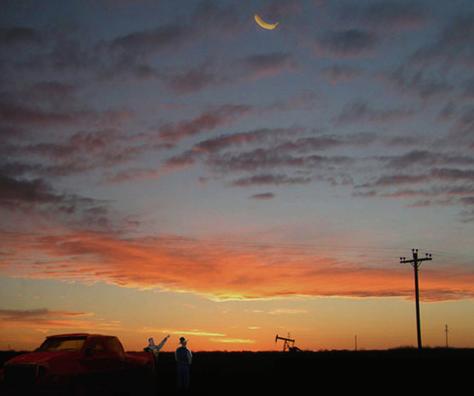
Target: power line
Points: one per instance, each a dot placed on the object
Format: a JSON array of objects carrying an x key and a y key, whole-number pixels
[{"x": 416, "y": 262}]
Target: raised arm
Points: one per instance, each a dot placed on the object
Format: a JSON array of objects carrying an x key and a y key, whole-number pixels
[{"x": 162, "y": 343}]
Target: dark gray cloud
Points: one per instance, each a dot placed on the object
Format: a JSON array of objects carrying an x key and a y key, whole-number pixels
[
  {"x": 362, "y": 111},
  {"x": 48, "y": 104},
  {"x": 386, "y": 14},
  {"x": 263, "y": 196},
  {"x": 193, "y": 79},
  {"x": 347, "y": 43},
  {"x": 80, "y": 152},
  {"x": 426, "y": 158},
  {"x": 22, "y": 195},
  {"x": 209, "y": 147},
  {"x": 267, "y": 65},
  {"x": 147, "y": 42},
  {"x": 261, "y": 158},
  {"x": 452, "y": 46},
  {"x": 19, "y": 35},
  {"x": 212, "y": 73},
  {"x": 205, "y": 122},
  {"x": 20, "y": 114},
  {"x": 34, "y": 191},
  {"x": 464, "y": 123},
  {"x": 467, "y": 216},
  {"x": 418, "y": 81},
  {"x": 269, "y": 179},
  {"x": 443, "y": 174},
  {"x": 467, "y": 200},
  {"x": 339, "y": 73}
]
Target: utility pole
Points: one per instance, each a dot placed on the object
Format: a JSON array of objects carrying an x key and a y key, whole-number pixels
[
  {"x": 355, "y": 342},
  {"x": 446, "y": 331},
  {"x": 416, "y": 262}
]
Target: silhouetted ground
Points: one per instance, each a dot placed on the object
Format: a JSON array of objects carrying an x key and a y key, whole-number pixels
[{"x": 397, "y": 370}]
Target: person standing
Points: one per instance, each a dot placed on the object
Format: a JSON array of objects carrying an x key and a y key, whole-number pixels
[
  {"x": 152, "y": 347},
  {"x": 184, "y": 359}
]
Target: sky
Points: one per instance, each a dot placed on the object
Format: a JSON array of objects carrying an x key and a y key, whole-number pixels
[{"x": 171, "y": 167}]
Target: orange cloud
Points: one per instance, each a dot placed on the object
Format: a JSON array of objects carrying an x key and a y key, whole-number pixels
[
  {"x": 44, "y": 320},
  {"x": 220, "y": 270},
  {"x": 192, "y": 332},
  {"x": 233, "y": 340}
]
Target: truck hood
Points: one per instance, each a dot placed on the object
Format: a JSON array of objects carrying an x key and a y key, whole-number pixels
[{"x": 41, "y": 357}]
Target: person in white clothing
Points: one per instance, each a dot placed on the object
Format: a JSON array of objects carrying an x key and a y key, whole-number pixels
[
  {"x": 184, "y": 359},
  {"x": 152, "y": 347}
]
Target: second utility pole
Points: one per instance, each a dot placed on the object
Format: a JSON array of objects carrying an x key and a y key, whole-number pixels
[{"x": 415, "y": 262}]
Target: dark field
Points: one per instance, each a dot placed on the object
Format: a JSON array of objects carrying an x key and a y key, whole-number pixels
[{"x": 246, "y": 373}]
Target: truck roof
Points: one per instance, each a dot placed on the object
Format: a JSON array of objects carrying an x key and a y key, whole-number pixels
[{"x": 77, "y": 335}]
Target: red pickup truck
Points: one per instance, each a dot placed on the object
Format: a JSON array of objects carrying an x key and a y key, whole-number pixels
[{"x": 80, "y": 364}]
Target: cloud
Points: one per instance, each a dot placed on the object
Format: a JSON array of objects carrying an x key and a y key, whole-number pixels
[
  {"x": 233, "y": 340},
  {"x": 15, "y": 112},
  {"x": 288, "y": 311},
  {"x": 263, "y": 196},
  {"x": 453, "y": 46},
  {"x": 18, "y": 114},
  {"x": 257, "y": 136},
  {"x": 192, "y": 332},
  {"x": 340, "y": 73},
  {"x": 77, "y": 153},
  {"x": 387, "y": 14},
  {"x": 426, "y": 158},
  {"x": 419, "y": 82},
  {"x": 193, "y": 79},
  {"x": 467, "y": 200},
  {"x": 468, "y": 89},
  {"x": 150, "y": 41},
  {"x": 269, "y": 179},
  {"x": 55, "y": 93},
  {"x": 19, "y": 35},
  {"x": 467, "y": 216},
  {"x": 29, "y": 314},
  {"x": 392, "y": 180},
  {"x": 134, "y": 174},
  {"x": 268, "y": 158},
  {"x": 220, "y": 270},
  {"x": 277, "y": 149},
  {"x": 44, "y": 320},
  {"x": 267, "y": 65},
  {"x": 127, "y": 55},
  {"x": 15, "y": 191},
  {"x": 362, "y": 111},
  {"x": 36, "y": 196},
  {"x": 212, "y": 73},
  {"x": 464, "y": 125},
  {"x": 346, "y": 43},
  {"x": 205, "y": 122},
  {"x": 207, "y": 17},
  {"x": 443, "y": 174}
]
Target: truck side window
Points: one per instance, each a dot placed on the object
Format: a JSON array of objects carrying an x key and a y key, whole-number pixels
[
  {"x": 113, "y": 346},
  {"x": 97, "y": 346}
]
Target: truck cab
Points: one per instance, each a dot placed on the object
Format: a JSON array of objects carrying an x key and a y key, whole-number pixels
[{"x": 80, "y": 363}]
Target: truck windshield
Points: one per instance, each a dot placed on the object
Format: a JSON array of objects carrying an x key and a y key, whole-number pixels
[{"x": 62, "y": 344}]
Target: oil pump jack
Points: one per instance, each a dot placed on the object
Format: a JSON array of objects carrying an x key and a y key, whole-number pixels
[{"x": 288, "y": 344}]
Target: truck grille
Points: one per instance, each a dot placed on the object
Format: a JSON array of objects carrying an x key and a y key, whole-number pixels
[{"x": 24, "y": 374}]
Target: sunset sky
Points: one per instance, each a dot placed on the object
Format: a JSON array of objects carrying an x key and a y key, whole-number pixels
[{"x": 170, "y": 167}]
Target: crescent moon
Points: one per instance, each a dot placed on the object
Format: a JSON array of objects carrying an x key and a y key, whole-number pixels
[{"x": 265, "y": 25}]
